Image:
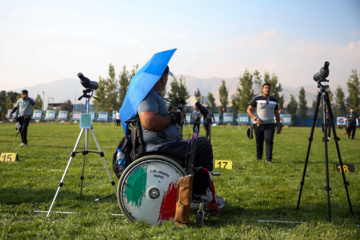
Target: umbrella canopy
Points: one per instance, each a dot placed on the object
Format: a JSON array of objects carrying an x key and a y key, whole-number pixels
[{"x": 143, "y": 81}]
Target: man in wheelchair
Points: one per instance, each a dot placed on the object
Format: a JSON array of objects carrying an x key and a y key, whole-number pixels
[{"x": 161, "y": 132}]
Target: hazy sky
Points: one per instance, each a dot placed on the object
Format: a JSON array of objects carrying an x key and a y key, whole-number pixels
[{"x": 44, "y": 41}]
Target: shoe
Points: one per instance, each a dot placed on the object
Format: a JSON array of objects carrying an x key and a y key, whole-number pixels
[
  {"x": 268, "y": 161},
  {"x": 329, "y": 138},
  {"x": 206, "y": 198},
  {"x": 23, "y": 145},
  {"x": 258, "y": 159}
]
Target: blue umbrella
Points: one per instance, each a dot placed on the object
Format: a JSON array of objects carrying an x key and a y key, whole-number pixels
[{"x": 143, "y": 81}]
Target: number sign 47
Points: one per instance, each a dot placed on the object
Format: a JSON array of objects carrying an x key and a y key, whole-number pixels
[{"x": 223, "y": 164}]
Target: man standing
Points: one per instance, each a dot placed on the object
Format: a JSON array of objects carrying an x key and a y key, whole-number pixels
[
  {"x": 161, "y": 132},
  {"x": 209, "y": 119},
  {"x": 196, "y": 116},
  {"x": 24, "y": 104},
  {"x": 117, "y": 117},
  {"x": 351, "y": 120},
  {"x": 266, "y": 107}
]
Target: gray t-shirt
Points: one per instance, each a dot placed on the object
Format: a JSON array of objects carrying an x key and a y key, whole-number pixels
[
  {"x": 24, "y": 106},
  {"x": 153, "y": 140},
  {"x": 265, "y": 108},
  {"x": 196, "y": 116}
]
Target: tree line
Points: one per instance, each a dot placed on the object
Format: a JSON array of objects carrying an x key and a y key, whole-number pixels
[
  {"x": 111, "y": 93},
  {"x": 8, "y": 100},
  {"x": 112, "y": 90}
]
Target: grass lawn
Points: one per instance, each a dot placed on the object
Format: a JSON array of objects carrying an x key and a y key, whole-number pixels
[{"x": 261, "y": 198}]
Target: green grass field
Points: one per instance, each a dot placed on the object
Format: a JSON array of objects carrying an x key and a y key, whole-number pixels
[{"x": 261, "y": 198}]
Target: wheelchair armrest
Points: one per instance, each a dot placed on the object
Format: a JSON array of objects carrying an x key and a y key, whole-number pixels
[{"x": 137, "y": 120}]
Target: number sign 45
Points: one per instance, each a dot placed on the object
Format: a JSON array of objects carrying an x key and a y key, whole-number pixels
[
  {"x": 223, "y": 164},
  {"x": 8, "y": 157}
]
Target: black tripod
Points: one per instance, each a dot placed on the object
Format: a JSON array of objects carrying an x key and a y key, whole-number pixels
[
  {"x": 324, "y": 95},
  {"x": 85, "y": 152}
]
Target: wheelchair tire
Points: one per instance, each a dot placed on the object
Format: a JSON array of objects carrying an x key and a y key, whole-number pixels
[{"x": 147, "y": 189}]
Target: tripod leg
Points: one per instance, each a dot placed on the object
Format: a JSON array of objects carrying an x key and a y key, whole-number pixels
[
  {"x": 85, "y": 152},
  {"x": 102, "y": 156},
  {"x": 66, "y": 169},
  {"x": 325, "y": 140},
  {"x": 336, "y": 138},
  {"x": 309, "y": 146}
]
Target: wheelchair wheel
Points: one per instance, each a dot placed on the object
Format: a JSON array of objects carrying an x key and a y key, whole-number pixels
[{"x": 147, "y": 189}]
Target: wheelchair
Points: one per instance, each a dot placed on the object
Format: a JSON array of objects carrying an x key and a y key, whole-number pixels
[{"x": 148, "y": 187}]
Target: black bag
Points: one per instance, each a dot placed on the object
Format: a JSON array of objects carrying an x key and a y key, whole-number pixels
[{"x": 132, "y": 146}]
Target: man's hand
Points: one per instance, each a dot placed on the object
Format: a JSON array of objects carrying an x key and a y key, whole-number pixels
[{"x": 278, "y": 129}]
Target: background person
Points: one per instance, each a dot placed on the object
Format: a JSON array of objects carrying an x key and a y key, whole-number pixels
[
  {"x": 161, "y": 132},
  {"x": 117, "y": 117},
  {"x": 24, "y": 104},
  {"x": 351, "y": 120},
  {"x": 207, "y": 121},
  {"x": 266, "y": 107},
  {"x": 196, "y": 116}
]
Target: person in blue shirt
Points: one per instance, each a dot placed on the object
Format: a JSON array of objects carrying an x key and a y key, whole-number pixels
[
  {"x": 161, "y": 131},
  {"x": 24, "y": 105},
  {"x": 196, "y": 116}
]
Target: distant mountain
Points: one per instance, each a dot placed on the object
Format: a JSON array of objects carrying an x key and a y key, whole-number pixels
[
  {"x": 57, "y": 91},
  {"x": 71, "y": 88}
]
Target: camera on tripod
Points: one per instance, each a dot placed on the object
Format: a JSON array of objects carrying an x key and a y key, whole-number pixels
[
  {"x": 204, "y": 111},
  {"x": 87, "y": 83},
  {"x": 89, "y": 86},
  {"x": 323, "y": 73}
]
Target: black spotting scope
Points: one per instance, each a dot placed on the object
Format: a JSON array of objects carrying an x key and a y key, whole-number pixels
[
  {"x": 323, "y": 73},
  {"x": 87, "y": 83},
  {"x": 204, "y": 111}
]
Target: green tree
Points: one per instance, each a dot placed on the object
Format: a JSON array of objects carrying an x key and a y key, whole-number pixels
[
  {"x": 3, "y": 104},
  {"x": 111, "y": 87},
  {"x": 223, "y": 94},
  {"x": 67, "y": 106},
  {"x": 291, "y": 108},
  {"x": 38, "y": 102},
  {"x": 258, "y": 82},
  {"x": 100, "y": 100},
  {"x": 14, "y": 96},
  {"x": 340, "y": 101},
  {"x": 174, "y": 89},
  {"x": 276, "y": 88},
  {"x": 7, "y": 101},
  {"x": 178, "y": 89},
  {"x": 183, "y": 92},
  {"x": 302, "y": 105},
  {"x": 234, "y": 105},
  {"x": 245, "y": 93},
  {"x": 197, "y": 95},
  {"x": 212, "y": 104},
  {"x": 353, "y": 84},
  {"x": 124, "y": 81}
]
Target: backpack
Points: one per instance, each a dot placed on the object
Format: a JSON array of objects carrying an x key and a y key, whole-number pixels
[{"x": 132, "y": 145}]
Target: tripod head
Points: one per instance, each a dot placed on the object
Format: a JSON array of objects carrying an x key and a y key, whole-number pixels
[{"x": 86, "y": 94}]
